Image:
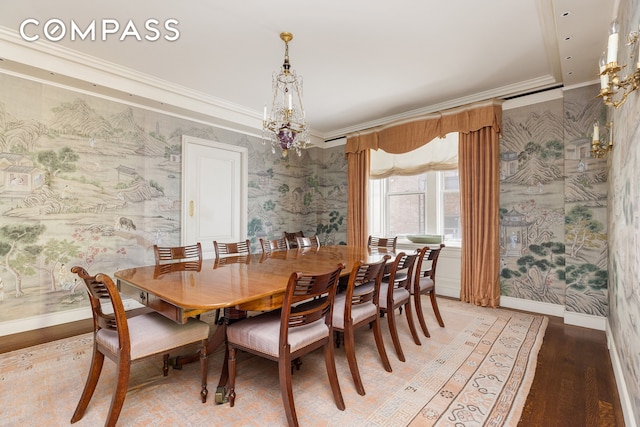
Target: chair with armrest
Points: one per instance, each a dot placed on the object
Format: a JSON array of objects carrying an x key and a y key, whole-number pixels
[
  {"x": 394, "y": 293},
  {"x": 382, "y": 242},
  {"x": 303, "y": 325},
  {"x": 425, "y": 284},
  {"x": 308, "y": 242},
  {"x": 358, "y": 307},
  {"x": 273, "y": 245},
  {"x": 127, "y": 340},
  {"x": 291, "y": 237}
]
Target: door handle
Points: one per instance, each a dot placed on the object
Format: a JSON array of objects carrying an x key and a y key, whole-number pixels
[{"x": 191, "y": 208}]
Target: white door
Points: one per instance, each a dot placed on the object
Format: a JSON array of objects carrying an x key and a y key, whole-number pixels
[{"x": 214, "y": 188}]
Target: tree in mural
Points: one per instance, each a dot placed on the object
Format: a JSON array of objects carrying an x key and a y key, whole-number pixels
[
  {"x": 283, "y": 189},
  {"x": 56, "y": 254},
  {"x": 537, "y": 164},
  {"x": 254, "y": 228},
  {"x": 19, "y": 252},
  {"x": 582, "y": 231},
  {"x": 90, "y": 249},
  {"x": 532, "y": 279},
  {"x": 56, "y": 162},
  {"x": 329, "y": 230}
]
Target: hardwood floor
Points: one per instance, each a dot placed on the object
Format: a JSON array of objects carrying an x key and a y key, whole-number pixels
[{"x": 574, "y": 383}]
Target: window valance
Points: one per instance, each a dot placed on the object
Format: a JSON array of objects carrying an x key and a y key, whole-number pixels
[{"x": 406, "y": 135}]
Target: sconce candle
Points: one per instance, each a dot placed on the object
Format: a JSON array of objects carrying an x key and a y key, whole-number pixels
[
  {"x": 604, "y": 77},
  {"x": 612, "y": 46},
  {"x": 596, "y": 132}
]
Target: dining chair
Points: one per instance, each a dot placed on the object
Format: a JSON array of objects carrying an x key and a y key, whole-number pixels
[
  {"x": 425, "y": 284},
  {"x": 395, "y": 293},
  {"x": 291, "y": 237},
  {"x": 308, "y": 242},
  {"x": 303, "y": 325},
  {"x": 177, "y": 253},
  {"x": 127, "y": 340},
  {"x": 234, "y": 248},
  {"x": 273, "y": 245},
  {"x": 382, "y": 242},
  {"x": 358, "y": 307}
]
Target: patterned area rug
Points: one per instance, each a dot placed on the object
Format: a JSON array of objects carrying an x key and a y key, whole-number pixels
[{"x": 475, "y": 371}]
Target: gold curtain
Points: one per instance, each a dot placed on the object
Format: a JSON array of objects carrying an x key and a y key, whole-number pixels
[
  {"x": 483, "y": 120},
  {"x": 479, "y": 172},
  {"x": 358, "y": 188}
]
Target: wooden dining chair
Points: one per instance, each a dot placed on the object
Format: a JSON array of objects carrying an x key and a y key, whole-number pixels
[
  {"x": 425, "y": 284},
  {"x": 358, "y": 307},
  {"x": 177, "y": 253},
  {"x": 127, "y": 340},
  {"x": 382, "y": 242},
  {"x": 308, "y": 242},
  {"x": 235, "y": 248},
  {"x": 231, "y": 250},
  {"x": 291, "y": 237},
  {"x": 395, "y": 293},
  {"x": 274, "y": 245},
  {"x": 303, "y": 325}
]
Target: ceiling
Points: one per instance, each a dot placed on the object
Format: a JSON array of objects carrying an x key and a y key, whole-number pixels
[{"x": 364, "y": 62}]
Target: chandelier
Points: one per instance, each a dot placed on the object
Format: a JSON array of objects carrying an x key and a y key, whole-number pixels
[{"x": 285, "y": 127}]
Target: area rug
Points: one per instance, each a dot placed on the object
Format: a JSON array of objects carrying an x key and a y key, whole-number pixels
[{"x": 476, "y": 371}]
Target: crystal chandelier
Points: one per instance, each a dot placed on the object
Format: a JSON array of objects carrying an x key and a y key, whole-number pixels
[{"x": 285, "y": 127}]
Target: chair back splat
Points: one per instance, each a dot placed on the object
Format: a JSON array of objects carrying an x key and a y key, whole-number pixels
[
  {"x": 273, "y": 245},
  {"x": 425, "y": 284},
  {"x": 303, "y": 325},
  {"x": 126, "y": 340},
  {"x": 308, "y": 242},
  {"x": 177, "y": 253},
  {"x": 291, "y": 237},
  {"x": 382, "y": 242},
  {"x": 357, "y": 307},
  {"x": 222, "y": 249}
]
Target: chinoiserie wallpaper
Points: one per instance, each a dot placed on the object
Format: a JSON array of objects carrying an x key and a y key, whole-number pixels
[
  {"x": 624, "y": 224},
  {"x": 553, "y": 204},
  {"x": 94, "y": 182}
]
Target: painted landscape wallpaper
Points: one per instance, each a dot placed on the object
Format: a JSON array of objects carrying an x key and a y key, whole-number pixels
[
  {"x": 92, "y": 182},
  {"x": 553, "y": 204}
]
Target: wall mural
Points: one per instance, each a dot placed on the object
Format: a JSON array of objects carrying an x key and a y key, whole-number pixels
[
  {"x": 553, "y": 204},
  {"x": 93, "y": 182},
  {"x": 624, "y": 223}
]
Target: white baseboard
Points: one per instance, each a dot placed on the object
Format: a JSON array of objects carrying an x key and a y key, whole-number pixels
[
  {"x": 625, "y": 400},
  {"x": 533, "y": 306},
  {"x": 585, "y": 320}
]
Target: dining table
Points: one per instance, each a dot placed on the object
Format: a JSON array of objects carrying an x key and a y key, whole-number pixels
[{"x": 238, "y": 283}]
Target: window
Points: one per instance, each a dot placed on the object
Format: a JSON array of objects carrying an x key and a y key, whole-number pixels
[{"x": 427, "y": 203}]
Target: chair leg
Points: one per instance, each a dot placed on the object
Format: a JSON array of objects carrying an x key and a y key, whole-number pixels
[
  {"x": 330, "y": 362},
  {"x": 394, "y": 335},
  {"x": 165, "y": 364},
  {"x": 92, "y": 380},
  {"x": 377, "y": 334},
  {"x": 350, "y": 351},
  {"x": 204, "y": 368},
  {"x": 412, "y": 325},
  {"x": 124, "y": 369},
  {"x": 434, "y": 304},
  {"x": 418, "y": 303},
  {"x": 232, "y": 375},
  {"x": 284, "y": 373}
]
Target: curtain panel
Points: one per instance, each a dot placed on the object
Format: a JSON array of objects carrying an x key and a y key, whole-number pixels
[{"x": 406, "y": 135}]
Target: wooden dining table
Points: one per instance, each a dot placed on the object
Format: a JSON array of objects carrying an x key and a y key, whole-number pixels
[{"x": 244, "y": 282}]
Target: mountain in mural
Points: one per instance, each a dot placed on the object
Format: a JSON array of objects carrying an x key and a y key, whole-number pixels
[
  {"x": 537, "y": 128},
  {"x": 78, "y": 118}
]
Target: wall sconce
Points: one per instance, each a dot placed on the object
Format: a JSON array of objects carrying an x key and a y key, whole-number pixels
[
  {"x": 613, "y": 89},
  {"x": 600, "y": 149}
]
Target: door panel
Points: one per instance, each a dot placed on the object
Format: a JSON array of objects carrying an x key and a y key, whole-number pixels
[{"x": 214, "y": 193}]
